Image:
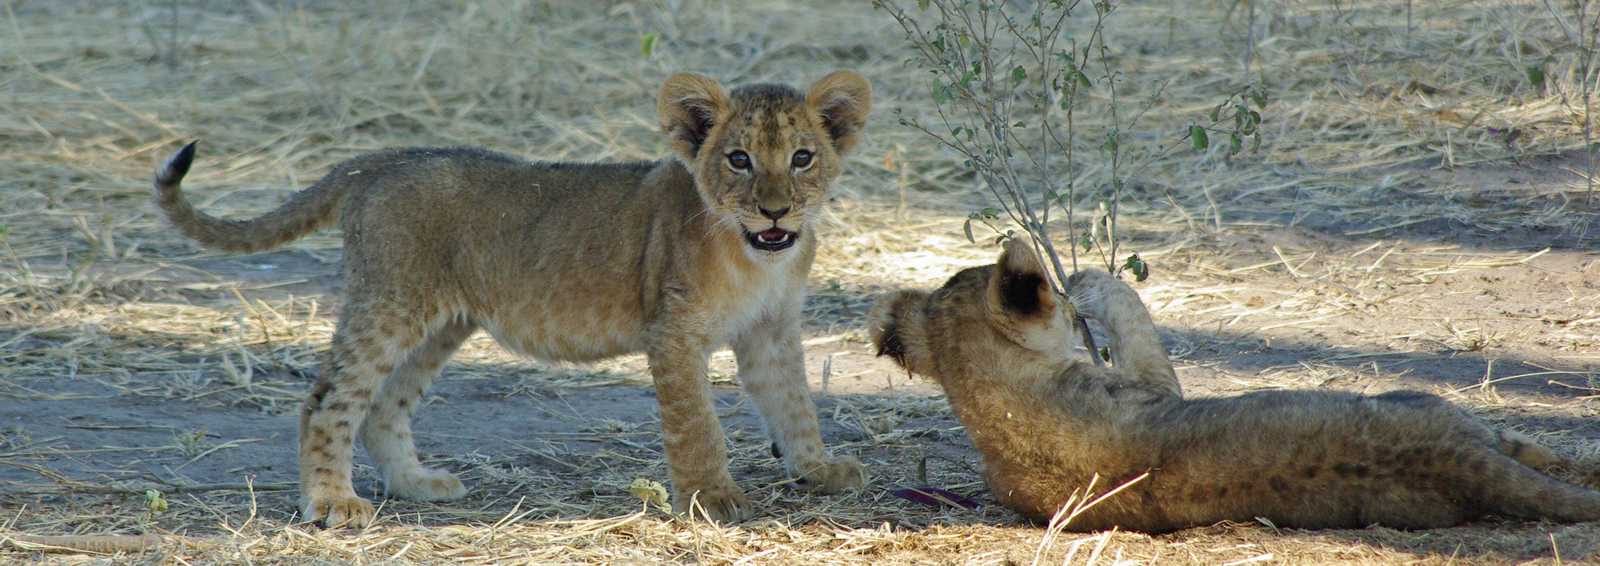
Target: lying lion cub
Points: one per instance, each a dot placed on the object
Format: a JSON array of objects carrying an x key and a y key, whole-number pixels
[{"x": 1047, "y": 420}]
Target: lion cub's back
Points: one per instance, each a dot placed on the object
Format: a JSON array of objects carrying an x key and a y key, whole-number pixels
[
  {"x": 472, "y": 202},
  {"x": 465, "y": 185},
  {"x": 536, "y": 251}
]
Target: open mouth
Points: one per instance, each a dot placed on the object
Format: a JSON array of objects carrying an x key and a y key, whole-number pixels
[{"x": 772, "y": 239}]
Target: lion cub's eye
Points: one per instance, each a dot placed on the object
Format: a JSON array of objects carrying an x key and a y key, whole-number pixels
[
  {"x": 739, "y": 161},
  {"x": 801, "y": 159}
]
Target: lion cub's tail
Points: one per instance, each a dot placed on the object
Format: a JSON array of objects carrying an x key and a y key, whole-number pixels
[{"x": 305, "y": 212}]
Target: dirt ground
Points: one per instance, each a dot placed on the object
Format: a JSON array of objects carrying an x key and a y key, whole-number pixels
[{"x": 1387, "y": 235}]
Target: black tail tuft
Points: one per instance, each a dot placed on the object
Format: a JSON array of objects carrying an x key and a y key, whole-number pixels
[
  {"x": 177, "y": 166},
  {"x": 889, "y": 344}
]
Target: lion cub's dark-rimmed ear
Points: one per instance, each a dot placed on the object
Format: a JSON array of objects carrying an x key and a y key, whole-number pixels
[
  {"x": 1019, "y": 285},
  {"x": 842, "y": 99},
  {"x": 898, "y": 325},
  {"x": 689, "y": 105}
]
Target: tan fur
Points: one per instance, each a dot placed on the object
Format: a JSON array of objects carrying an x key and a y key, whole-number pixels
[
  {"x": 1046, "y": 421},
  {"x": 571, "y": 262}
]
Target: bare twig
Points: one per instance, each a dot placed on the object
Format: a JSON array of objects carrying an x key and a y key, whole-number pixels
[{"x": 91, "y": 544}]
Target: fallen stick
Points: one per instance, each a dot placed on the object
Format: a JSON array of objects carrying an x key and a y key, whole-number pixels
[{"x": 92, "y": 544}]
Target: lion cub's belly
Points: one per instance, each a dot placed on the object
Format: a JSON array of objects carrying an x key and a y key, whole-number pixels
[
  {"x": 575, "y": 324},
  {"x": 551, "y": 341},
  {"x": 575, "y": 331}
]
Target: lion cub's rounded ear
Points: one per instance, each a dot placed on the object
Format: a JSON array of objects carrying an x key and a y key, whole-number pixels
[
  {"x": 842, "y": 99},
  {"x": 897, "y": 325},
  {"x": 1019, "y": 284},
  {"x": 688, "y": 106}
]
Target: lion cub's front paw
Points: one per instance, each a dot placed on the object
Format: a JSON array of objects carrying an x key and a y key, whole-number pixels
[
  {"x": 1090, "y": 291},
  {"x": 340, "y": 511},
  {"x": 721, "y": 503},
  {"x": 833, "y": 476}
]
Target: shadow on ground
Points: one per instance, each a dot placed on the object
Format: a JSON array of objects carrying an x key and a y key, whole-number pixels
[{"x": 567, "y": 452}]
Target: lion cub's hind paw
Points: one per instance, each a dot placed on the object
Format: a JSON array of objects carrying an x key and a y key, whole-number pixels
[
  {"x": 833, "y": 476},
  {"x": 339, "y": 512},
  {"x": 426, "y": 484}
]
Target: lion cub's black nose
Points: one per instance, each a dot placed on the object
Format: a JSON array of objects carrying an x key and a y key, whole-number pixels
[{"x": 773, "y": 214}]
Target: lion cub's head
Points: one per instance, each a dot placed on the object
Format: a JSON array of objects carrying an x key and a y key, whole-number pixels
[
  {"x": 1001, "y": 319},
  {"x": 763, "y": 155}
]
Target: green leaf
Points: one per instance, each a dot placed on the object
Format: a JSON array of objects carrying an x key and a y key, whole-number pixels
[
  {"x": 1197, "y": 138},
  {"x": 922, "y": 5},
  {"x": 1019, "y": 74},
  {"x": 1235, "y": 143},
  {"x": 1087, "y": 242},
  {"x": 1111, "y": 142},
  {"x": 155, "y": 501},
  {"x": 1216, "y": 113},
  {"x": 1105, "y": 353},
  {"x": 647, "y": 44},
  {"x": 941, "y": 93},
  {"x": 650, "y": 491},
  {"x": 990, "y": 212},
  {"x": 1140, "y": 269},
  {"x": 1260, "y": 98},
  {"x": 967, "y": 228},
  {"x": 1536, "y": 76}
]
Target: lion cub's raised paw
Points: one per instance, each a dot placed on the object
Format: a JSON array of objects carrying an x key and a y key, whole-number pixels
[
  {"x": 1092, "y": 292},
  {"x": 340, "y": 511}
]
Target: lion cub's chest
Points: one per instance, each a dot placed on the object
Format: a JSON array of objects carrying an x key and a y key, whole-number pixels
[{"x": 740, "y": 296}]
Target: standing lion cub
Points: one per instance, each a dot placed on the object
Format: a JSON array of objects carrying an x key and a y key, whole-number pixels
[
  {"x": 574, "y": 262},
  {"x": 1046, "y": 422}
]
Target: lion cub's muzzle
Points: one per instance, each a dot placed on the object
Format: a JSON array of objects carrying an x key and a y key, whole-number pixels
[{"x": 773, "y": 239}]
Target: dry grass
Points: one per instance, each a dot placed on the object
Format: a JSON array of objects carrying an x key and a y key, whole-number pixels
[{"x": 1393, "y": 231}]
